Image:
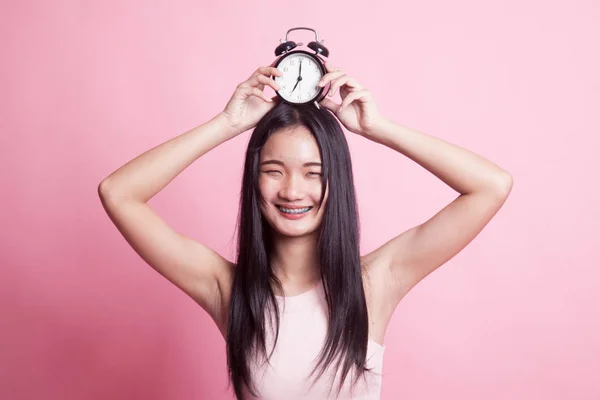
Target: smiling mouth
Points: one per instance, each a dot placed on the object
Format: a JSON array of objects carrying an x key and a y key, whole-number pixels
[{"x": 294, "y": 210}]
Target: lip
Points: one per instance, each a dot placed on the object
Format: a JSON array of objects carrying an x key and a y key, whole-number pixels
[{"x": 293, "y": 216}]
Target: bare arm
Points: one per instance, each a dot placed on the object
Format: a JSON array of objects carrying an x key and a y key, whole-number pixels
[
  {"x": 193, "y": 267},
  {"x": 483, "y": 188},
  {"x": 147, "y": 174},
  {"x": 196, "y": 269}
]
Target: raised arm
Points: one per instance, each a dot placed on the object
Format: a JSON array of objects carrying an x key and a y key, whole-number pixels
[{"x": 193, "y": 267}]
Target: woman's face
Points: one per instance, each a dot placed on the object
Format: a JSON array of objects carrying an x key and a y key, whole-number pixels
[{"x": 290, "y": 182}]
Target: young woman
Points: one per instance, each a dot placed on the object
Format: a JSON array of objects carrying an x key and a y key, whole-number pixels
[{"x": 301, "y": 309}]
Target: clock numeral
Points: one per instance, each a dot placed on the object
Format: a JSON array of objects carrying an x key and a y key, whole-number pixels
[
  {"x": 285, "y": 69},
  {"x": 292, "y": 62}
]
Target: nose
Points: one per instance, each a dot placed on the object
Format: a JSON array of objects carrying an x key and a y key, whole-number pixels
[{"x": 292, "y": 188}]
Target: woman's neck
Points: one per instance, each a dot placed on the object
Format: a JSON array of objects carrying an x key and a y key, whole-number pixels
[{"x": 296, "y": 260}]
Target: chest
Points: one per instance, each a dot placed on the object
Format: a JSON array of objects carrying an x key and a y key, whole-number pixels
[
  {"x": 301, "y": 337},
  {"x": 381, "y": 298}
]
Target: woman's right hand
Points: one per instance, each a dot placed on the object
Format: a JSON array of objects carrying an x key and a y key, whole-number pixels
[{"x": 249, "y": 103}]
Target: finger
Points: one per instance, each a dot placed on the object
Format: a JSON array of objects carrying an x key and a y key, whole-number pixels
[
  {"x": 271, "y": 70},
  {"x": 351, "y": 83},
  {"x": 262, "y": 95},
  {"x": 330, "y": 105},
  {"x": 269, "y": 81},
  {"x": 260, "y": 81},
  {"x": 330, "y": 68},
  {"x": 249, "y": 91},
  {"x": 358, "y": 95},
  {"x": 266, "y": 71},
  {"x": 328, "y": 77}
]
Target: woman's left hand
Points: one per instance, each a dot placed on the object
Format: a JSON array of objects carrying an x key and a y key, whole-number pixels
[{"x": 357, "y": 111}]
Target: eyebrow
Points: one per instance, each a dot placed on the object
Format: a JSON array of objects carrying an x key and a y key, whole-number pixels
[{"x": 307, "y": 164}]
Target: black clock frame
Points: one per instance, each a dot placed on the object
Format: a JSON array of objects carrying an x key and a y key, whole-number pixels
[{"x": 322, "y": 91}]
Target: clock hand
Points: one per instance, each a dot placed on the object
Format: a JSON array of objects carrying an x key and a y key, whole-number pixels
[
  {"x": 299, "y": 76},
  {"x": 297, "y": 82}
]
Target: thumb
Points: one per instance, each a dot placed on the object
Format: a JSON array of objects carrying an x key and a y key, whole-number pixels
[{"x": 330, "y": 105}]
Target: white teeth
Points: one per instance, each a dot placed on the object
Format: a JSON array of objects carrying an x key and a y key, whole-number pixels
[{"x": 294, "y": 211}]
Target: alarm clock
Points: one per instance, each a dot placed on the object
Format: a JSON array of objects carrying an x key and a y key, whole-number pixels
[{"x": 301, "y": 71}]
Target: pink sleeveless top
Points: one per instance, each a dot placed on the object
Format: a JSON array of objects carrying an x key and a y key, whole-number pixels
[{"x": 303, "y": 327}]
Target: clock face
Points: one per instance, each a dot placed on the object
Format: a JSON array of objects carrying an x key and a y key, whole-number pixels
[{"x": 301, "y": 73}]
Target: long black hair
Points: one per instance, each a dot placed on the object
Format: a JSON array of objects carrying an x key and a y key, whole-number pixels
[{"x": 338, "y": 247}]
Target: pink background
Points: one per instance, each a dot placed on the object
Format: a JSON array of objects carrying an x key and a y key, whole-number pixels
[{"x": 87, "y": 86}]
